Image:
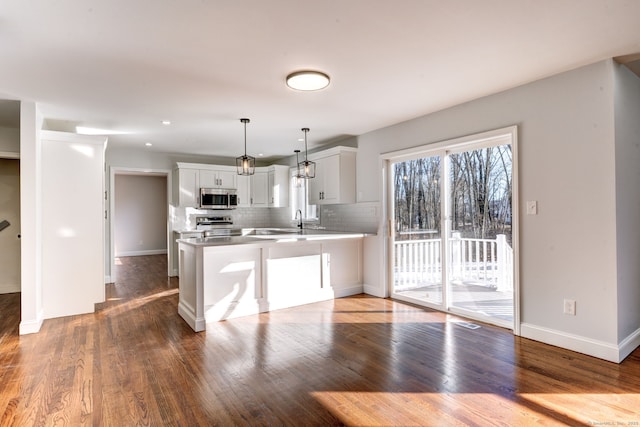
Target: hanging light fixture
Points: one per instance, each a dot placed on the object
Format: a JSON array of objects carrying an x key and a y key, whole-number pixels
[
  {"x": 298, "y": 176},
  {"x": 306, "y": 168},
  {"x": 246, "y": 164},
  {"x": 308, "y": 80}
]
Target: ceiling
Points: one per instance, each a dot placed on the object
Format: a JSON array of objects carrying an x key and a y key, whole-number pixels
[{"x": 127, "y": 65}]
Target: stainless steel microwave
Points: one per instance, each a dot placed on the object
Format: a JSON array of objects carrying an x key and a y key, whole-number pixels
[{"x": 218, "y": 198}]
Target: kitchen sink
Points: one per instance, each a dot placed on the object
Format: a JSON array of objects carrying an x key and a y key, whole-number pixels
[{"x": 268, "y": 231}]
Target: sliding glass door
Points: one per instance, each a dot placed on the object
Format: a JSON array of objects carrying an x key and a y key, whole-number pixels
[
  {"x": 417, "y": 260},
  {"x": 452, "y": 241}
]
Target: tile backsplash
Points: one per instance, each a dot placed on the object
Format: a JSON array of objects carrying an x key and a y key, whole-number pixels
[{"x": 361, "y": 217}]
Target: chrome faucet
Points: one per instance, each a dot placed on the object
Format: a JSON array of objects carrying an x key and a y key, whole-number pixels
[{"x": 296, "y": 217}]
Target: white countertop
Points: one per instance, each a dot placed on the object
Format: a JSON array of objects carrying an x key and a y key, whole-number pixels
[{"x": 303, "y": 235}]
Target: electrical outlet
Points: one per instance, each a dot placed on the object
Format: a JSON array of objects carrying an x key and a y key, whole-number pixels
[{"x": 570, "y": 307}]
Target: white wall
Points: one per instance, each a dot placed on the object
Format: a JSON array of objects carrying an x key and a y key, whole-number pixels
[
  {"x": 627, "y": 128},
  {"x": 567, "y": 164},
  {"x": 140, "y": 215},
  {"x": 31, "y": 314},
  {"x": 9, "y": 240}
]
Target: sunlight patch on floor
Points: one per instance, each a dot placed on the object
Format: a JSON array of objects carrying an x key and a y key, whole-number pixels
[{"x": 447, "y": 408}]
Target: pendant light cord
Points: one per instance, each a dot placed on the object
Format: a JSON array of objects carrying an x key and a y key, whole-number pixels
[{"x": 305, "y": 130}]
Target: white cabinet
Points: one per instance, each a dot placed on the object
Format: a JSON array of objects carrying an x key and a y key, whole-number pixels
[
  {"x": 259, "y": 188},
  {"x": 278, "y": 186},
  {"x": 187, "y": 188},
  {"x": 244, "y": 190},
  {"x": 335, "y": 180},
  {"x": 193, "y": 176},
  {"x": 218, "y": 178},
  {"x": 266, "y": 275},
  {"x": 267, "y": 187}
]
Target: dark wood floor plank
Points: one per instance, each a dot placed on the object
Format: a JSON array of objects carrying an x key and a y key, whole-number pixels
[{"x": 353, "y": 361}]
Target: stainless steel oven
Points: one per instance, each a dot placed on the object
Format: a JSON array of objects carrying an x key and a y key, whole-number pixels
[{"x": 218, "y": 198}]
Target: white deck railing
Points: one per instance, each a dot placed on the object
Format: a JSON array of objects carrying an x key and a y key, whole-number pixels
[{"x": 480, "y": 261}]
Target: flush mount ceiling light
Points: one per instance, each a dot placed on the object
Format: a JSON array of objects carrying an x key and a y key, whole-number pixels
[
  {"x": 246, "y": 164},
  {"x": 308, "y": 80},
  {"x": 307, "y": 167}
]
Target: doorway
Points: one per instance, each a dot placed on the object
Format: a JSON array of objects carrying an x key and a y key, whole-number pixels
[
  {"x": 453, "y": 228},
  {"x": 9, "y": 225},
  {"x": 139, "y": 221}
]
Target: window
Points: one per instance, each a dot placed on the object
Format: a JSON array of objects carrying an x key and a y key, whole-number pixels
[{"x": 299, "y": 190}]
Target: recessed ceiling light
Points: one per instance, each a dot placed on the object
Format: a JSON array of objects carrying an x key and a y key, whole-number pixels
[
  {"x": 307, "y": 80},
  {"x": 148, "y": 144},
  {"x": 166, "y": 122},
  {"x": 260, "y": 154}
]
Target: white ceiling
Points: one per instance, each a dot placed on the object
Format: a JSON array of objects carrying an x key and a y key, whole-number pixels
[{"x": 203, "y": 64}]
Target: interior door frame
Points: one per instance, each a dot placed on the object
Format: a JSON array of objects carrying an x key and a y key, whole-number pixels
[
  {"x": 116, "y": 170},
  {"x": 443, "y": 148}
]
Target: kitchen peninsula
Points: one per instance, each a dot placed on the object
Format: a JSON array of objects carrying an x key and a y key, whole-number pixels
[{"x": 265, "y": 269}]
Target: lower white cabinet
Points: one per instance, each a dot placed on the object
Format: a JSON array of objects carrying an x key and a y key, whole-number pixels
[{"x": 226, "y": 281}]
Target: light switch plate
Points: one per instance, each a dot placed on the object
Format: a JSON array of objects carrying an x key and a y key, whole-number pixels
[{"x": 532, "y": 207}]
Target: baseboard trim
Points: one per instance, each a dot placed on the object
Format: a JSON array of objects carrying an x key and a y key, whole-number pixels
[
  {"x": 347, "y": 292},
  {"x": 374, "y": 290},
  {"x": 188, "y": 314},
  {"x": 142, "y": 253},
  {"x": 32, "y": 326},
  {"x": 629, "y": 344},
  {"x": 577, "y": 343}
]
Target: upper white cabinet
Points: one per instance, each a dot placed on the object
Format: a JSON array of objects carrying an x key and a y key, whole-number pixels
[
  {"x": 218, "y": 177},
  {"x": 268, "y": 187},
  {"x": 244, "y": 190},
  {"x": 187, "y": 187},
  {"x": 335, "y": 180},
  {"x": 259, "y": 190},
  {"x": 278, "y": 186},
  {"x": 193, "y": 176}
]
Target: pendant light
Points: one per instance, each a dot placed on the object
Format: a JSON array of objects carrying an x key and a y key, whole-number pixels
[
  {"x": 307, "y": 168},
  {"x": 246, "y": 164},
  {"x": 298, "y": 176},
  {"x": 298, "y": 171}
]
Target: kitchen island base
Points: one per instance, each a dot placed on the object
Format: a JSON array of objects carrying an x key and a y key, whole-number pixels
[{"x": 221, "y": 281}]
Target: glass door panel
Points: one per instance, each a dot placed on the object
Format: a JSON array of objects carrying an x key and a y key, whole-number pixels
[
  {"x": 480, "y": 270},
  {"x": 417, "y": 237}
]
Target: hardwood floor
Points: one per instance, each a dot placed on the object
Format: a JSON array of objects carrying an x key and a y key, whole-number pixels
[{"x": 357, "y": 361}]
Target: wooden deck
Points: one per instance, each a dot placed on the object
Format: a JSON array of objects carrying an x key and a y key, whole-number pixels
[
  {"x": 358, "y": 361},
  {"x": 475, "y": 297}
]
